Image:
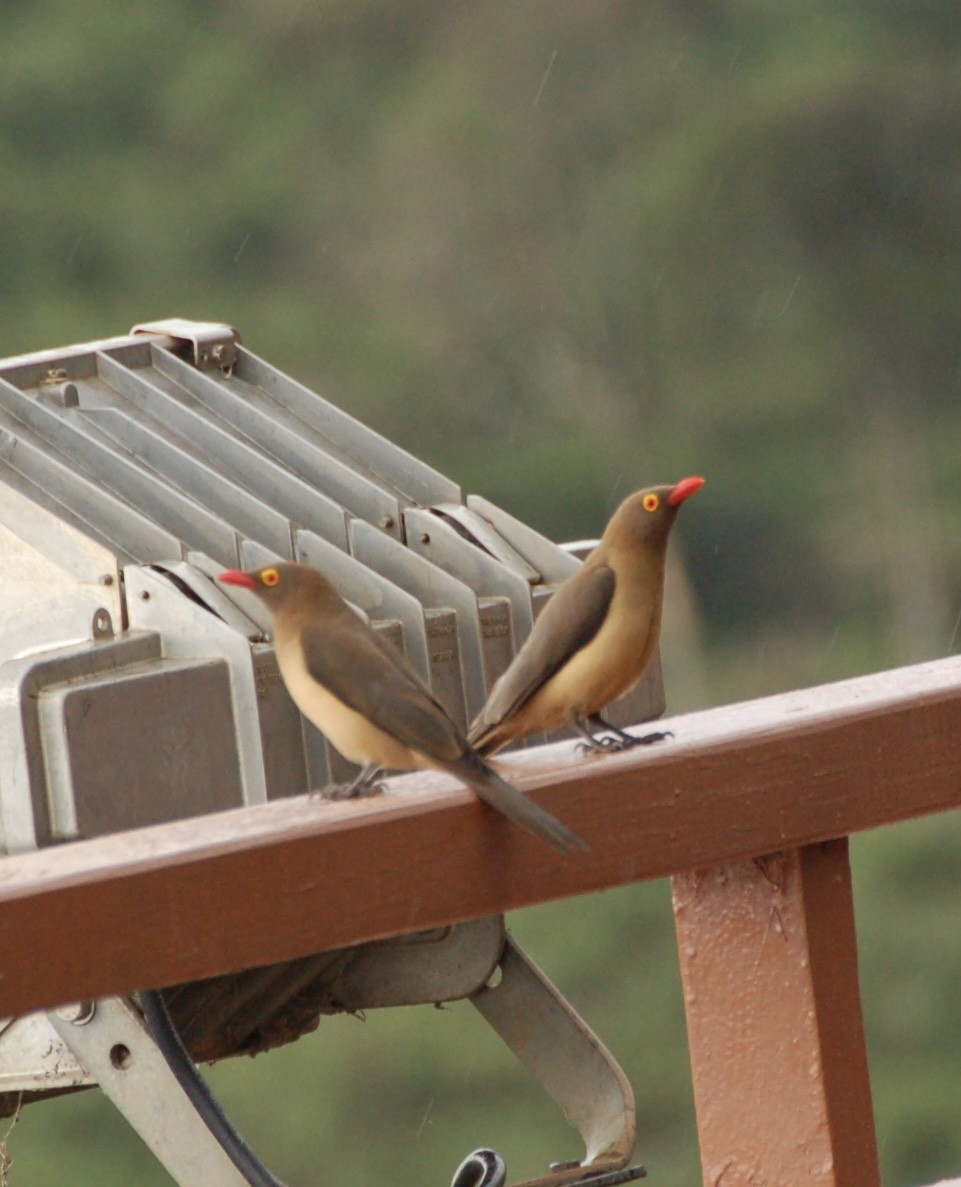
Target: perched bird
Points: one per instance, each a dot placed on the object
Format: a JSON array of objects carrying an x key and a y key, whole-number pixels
[
  {"x": 595, "y": 636},
  {"x": 367, "y": 700}
]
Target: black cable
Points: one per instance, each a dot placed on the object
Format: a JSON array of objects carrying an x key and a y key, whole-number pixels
[
  {"x": 195, "y": 1086},
  {"x": 482, "y": 1168}
]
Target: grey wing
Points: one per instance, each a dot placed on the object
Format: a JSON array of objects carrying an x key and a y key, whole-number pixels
[
  {"x": 567, "y": 623},
  {"x": 369, "y": 677}
]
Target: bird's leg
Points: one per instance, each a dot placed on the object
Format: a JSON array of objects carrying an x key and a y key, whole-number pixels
[
  {"x": 365, "y": 784},
  {"x": 608, "y": 745},
  {"x": 629, "y": 740},
  {"x": 591, "y": 745}
]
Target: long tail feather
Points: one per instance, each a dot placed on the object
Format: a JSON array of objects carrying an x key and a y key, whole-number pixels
[{"x": 497, "y": 792}]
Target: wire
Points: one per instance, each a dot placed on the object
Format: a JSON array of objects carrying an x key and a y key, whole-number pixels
[{"x": 195, "y": 1086}]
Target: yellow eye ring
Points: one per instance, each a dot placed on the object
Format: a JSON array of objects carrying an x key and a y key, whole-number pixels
[
  {"x": 269, "y": 576},
  {"x": 651, "y": 503}
]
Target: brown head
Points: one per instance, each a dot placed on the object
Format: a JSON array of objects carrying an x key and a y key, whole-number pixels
[
  {"x": 646, "y": 517},
  {"x": 286, "y": 588}
]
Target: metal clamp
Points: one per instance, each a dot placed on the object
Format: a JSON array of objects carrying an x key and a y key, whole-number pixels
[
  {"x": 114, "y": 1047},
  {"x": 561, "y": 1051},
  {"x": 211, "y": 344}
]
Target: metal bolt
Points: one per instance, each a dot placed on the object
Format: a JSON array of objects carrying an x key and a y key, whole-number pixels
[
  {"x": 386, "y": 522},
  {"x": 424, "y": 538},
  {"x": 79, "y": 1013},
  {"x": 106, "y": 579},
  {"x": 145, "y": 595}
]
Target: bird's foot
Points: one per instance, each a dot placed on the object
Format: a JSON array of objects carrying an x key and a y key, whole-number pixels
[
  {"x": 613, "y": 744},
  {"x": 360, "y": 788},
  {"x": 606, "y": 745},
  {"x": 649, "y": 739},
  {"x": 347, "y": 791}
]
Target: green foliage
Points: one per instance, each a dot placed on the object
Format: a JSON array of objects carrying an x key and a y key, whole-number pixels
[{"x": 558, "y": 250}]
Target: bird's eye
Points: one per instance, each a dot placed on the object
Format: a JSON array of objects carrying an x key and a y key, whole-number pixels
[
  {"x": 651, "y": 503},
  {"x": 269, "y": 576}
]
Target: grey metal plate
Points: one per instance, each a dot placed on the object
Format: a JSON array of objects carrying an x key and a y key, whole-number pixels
[{"x": 139, "y": 747}]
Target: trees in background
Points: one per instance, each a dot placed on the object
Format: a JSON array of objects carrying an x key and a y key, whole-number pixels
[{"x": 561, "y": 250}]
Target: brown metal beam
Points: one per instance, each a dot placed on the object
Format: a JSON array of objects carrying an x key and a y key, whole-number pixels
[
  {"x": 248, "y": 887},
  {"x": 769, "y": 963}
]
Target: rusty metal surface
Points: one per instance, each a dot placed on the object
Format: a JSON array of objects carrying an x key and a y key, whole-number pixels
[
  {"x": 769, "y": 965},
  {"x": 732, "y": 783}
]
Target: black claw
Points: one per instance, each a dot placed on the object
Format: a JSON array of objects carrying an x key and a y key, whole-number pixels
[
  {"x": 607, "y": 744},
  {"x": 348, "y": 791},
  {"x": 649, "y": 739}
]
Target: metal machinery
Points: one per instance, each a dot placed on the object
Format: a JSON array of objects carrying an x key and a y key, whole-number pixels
[{"x": 134, "y": 689}]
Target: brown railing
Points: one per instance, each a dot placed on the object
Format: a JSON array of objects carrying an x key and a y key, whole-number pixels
[{"x": 748, "y": 809}]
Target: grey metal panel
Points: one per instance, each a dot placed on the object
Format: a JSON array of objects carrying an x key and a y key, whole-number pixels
[
  {"x": 358, "y": 446},
  {"x": 580, "y": 550},
  {"x": 24, "y": 809},
  {"x": 281, "y": 730},
  {"x": 27, "y": 370},
  {"x": 184, "y": 472},
  {"x": 251, "y": 607},
  {"x": 163, "y": 403},
  {"x": 254, "y": 555},
  {"x": 168, "y": 730},
  {"x": 482, "y": 534},
  {"x": 191, "y": 522},
  {"x": 446, "y": 679},
  {"x": 371, "y": 591},
  {"x": 289, "y": 440},
  {"x": 55, "y": 578},
  {"x": 550, "y": 560},
  {"x": 191, "y": 631},
  {"x": 435, "y": 539},
  {"x": 441, "y": 965},
  {"x": 33, "y": 1058},
  {"x": 498, "y": 636},
  {"x": 196, "y": 577},
  {"x": 434, "y": 588},
  {"x": 79, "y": 501}
]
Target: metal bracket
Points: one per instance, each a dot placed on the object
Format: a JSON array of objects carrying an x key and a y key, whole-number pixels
[
  {"x": 113, "y": 1047},
  {"x": 111, "y": 1043},
  {"x": 211, "y": 345},
  {"x": 558, "y": 1047}
]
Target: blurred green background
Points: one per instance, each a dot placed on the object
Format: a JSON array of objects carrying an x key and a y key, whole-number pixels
[{"x": 558, "y": 249}]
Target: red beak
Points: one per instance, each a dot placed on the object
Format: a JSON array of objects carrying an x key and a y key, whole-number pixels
[
  {"x": 237, "y": 577},
  {"x": 684, "y": 489}
]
